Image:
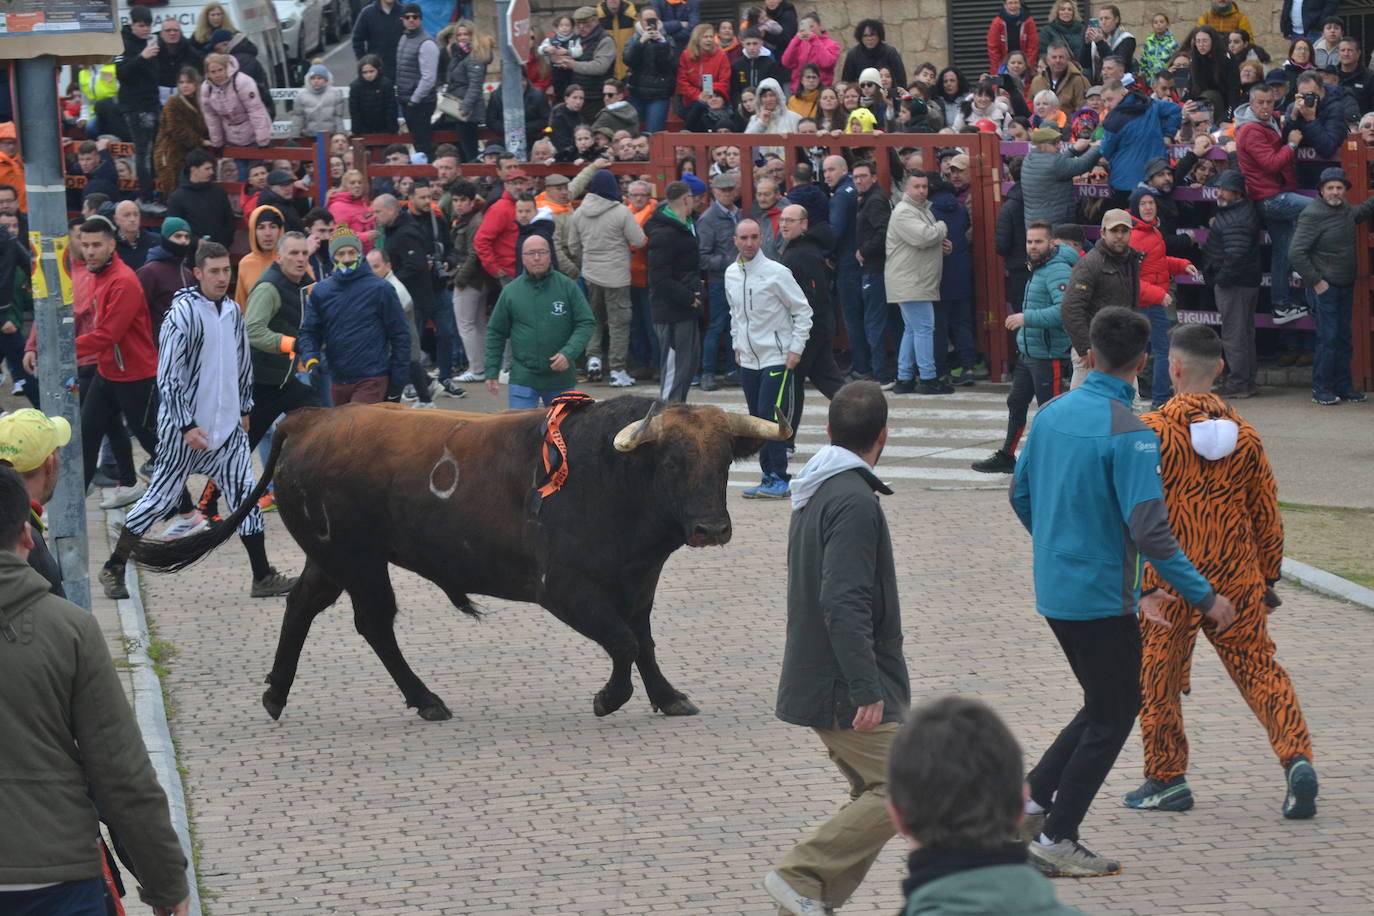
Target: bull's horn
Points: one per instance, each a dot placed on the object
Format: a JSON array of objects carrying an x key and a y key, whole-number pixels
[
  {"x": 640, "y": 432},
  {"x": 747, "y": 427}
]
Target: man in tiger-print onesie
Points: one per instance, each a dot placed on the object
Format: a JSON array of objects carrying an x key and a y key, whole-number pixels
[{"x": 1223, "y": 507}]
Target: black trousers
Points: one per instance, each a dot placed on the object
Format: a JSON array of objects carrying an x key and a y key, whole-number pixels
[
  {"x": 1105, "y": 657},
  {"x": 271, "y": 401},
  {"x": 1041, "y": 379},
  {"x": 108, "y": 405},
  {"x": 417, "y": 120},
  {"x": 817, "y": 364}
]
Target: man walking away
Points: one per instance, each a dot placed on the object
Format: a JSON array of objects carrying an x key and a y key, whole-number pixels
[
  {"x": 600, "y": 231},
  {"x": 955, "y": 783},
  {"x": 205, "y": 378},
  {"x": 1108, "y": 275},
  {"x": 1223, "y": 503},
  {"x": 417, "y": 76},
  {"x": 770, "y": 320},
  {"x": 843, "y": 672},
  {"x": 546, "y": 319},
  {"x": 805, "y": 256},
  {"x": 60, "y": 692},
  {"x": 1323, "y": 253},
  {"x": 1042, "y": 344},
  {"x": 1233, "y": 261},
  {"x": 675, "y": 290},
  {"x": 1087, "y": 489}
]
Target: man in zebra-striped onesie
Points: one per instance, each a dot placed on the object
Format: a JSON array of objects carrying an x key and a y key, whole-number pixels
[{"x": 205, "y": 377}]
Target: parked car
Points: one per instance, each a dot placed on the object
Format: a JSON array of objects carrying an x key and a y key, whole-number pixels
[{"x": 302, "y": 26}]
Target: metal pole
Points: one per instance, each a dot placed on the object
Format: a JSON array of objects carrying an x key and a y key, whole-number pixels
[
  {"x": 512, "y": 93},
  {"x": 42, "y": 152}
]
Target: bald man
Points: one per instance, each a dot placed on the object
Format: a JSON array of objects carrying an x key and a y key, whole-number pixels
[
  {"x": 133, "y": 242},
  {"x": 804, "y": 249}
]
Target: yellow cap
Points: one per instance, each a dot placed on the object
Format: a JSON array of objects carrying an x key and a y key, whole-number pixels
[{"x": 28, "y": 437}]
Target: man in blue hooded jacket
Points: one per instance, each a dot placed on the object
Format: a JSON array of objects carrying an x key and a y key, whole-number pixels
[
  {"x": 1133, "y": 134},
  {"x": 1088, "y": 489}
]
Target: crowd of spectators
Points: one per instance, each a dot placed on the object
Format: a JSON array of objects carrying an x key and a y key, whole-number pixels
[{"x": 1201, "y": 137}]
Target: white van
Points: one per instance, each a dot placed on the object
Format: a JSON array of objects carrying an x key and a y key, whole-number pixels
[{"x": 255, "y": 18}]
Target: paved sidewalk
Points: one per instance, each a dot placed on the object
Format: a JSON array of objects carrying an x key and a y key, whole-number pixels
[{"x": 526, "y": 803}]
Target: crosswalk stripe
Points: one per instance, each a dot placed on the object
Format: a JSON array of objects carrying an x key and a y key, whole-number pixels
[{"x": 750, "y": 477}]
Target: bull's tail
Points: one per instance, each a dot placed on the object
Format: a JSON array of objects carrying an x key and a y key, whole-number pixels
[{"x": 171, "y": 556}]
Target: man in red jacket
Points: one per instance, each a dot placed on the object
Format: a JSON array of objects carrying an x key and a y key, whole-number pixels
[
  {"x": 126, "y": 360},
  {"x": 495, "y": 239},
  {"x": 1266, "y": 160}
]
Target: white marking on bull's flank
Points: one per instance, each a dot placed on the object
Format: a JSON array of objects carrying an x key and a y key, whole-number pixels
[{"x": 446, "y": 458}]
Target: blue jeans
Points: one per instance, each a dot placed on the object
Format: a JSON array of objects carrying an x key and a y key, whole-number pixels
[
  {"x": 643, "y": 337},
  {"x": 1331, "y": 368},
  {"x": 954, "y": 319},
  {"x": 718, "y": 324},
  {"x": 653, "y": 113},
  {"x": 445, "y": 332},
  {"x": 848, "y": 291},
  {"x": 71, "y": 898},
  {"x": 874, "y": 295},
  {"x": 1281, "y": 217},
  {"x": 768, "y": 392},
  {"x": 522, "y": 396},
  {"x": 917, "y": 349},
  {"x": 1160, "y": 388}
]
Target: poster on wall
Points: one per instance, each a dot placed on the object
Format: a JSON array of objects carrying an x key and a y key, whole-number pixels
[{"x": 65, "y": 28}]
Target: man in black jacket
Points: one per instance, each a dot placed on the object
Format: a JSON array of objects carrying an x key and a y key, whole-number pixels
[
  {"x": 675, "y": 290},
  {"x": 1233, "y": 266},
  {"x": 652, "y": 60},
  {"x": 843, "y": 673},
  {"x": 377, "y": 30},
  {"x": 412, "y": 259},
  {"x": 139, "y": 100},
  {"x": 754, "y": 65},
  {"x": 281, "y": 194},
  {"x": 201, "y": 202},
  {"x": 871, "y": 236},
  {"x": 173, "y": 53},
  {"x": 805, "y": 255}
]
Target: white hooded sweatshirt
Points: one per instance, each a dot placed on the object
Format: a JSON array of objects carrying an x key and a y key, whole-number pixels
[
  {"x": 825, "y": 464},
  {"x": 769, "y": 314}
]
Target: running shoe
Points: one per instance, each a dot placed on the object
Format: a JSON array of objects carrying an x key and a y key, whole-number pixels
[{"x": 1173, "y": 795}]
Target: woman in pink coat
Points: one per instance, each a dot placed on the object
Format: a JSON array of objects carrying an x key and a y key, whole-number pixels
[
  {"x": 350, "y": 207},
  {"x": 811, "y": 45},
  {"x": 234, "y": 113}
]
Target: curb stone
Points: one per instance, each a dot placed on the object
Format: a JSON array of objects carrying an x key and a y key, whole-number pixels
[{"x": 1319, "y": 580}]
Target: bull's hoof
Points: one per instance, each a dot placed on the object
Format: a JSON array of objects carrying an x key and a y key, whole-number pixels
[
  {"x": 273, "y": 705},
  {"x": 604, "y": 703},
  {"x": 680, "y": 706},
  {"x": 435, "y": 712}
]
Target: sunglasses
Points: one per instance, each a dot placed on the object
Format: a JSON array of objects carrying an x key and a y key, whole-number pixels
[{"x": 410, "y": 16}]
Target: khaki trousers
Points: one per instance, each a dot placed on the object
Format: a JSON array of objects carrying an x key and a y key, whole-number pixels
[
  {"x": 612, "y": 310},
  {"x": 1080, "y": 368},
  {"x": 830, "y": 864}
]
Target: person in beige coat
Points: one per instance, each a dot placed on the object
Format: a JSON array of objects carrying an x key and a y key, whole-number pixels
[
  {"x": 916, "y": 246},
  {"x": 597, "y": 237}
]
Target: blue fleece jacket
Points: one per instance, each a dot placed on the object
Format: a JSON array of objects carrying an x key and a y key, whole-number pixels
[
  {"x": 1133, "y": 134},
  {"x": 1087, "y": 487},
  {"x": 357, "y": 321},
  {"x": 844, "y": 209}
]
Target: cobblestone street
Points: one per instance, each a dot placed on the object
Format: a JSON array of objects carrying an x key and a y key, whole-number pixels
[{"x": 526, "y": 803}]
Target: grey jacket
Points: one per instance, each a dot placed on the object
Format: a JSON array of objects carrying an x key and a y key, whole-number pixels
[
  {"x": 844, "y": 625},
  {"x": 1324, "y": 241},
  {"x": 1047, "y": 183},
  {"x": 716, "y": 240},
  {"x": 312, "y": 112},
  {"x": 600, "y": 237}
]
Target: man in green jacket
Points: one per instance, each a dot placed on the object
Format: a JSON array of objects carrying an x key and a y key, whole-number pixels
[
  {"x": 548, "y": 323},
  {"x": 272, "y": 320},
  {"x": 956, "y": 788},
  {"x": 843, "y": 673},
  {"x": 68, "y": 731},
  {"x": 1323, "y": 252},
  {"x": 1043, "y": 367}
]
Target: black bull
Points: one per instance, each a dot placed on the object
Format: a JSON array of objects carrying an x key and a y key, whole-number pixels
[{"x": 449, "y": 496}]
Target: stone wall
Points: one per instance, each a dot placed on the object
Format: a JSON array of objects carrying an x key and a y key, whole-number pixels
[{"x": 918, "y": 30}]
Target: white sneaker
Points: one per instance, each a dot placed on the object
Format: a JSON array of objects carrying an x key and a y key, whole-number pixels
[
  {"x": 790, "y": 900},
  {"x": 181, "y": 527},
  {"x": 469, "y": 378},
  {"x": 621, "y": 379},
  {"x": 425, "y": 405},
  {"x": 123, "y": 496},
  {"x": 593, "y": 368},
  {"x": 1282, "y": 316}
]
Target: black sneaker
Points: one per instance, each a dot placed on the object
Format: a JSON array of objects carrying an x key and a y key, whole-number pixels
[
  {"x": 962, "y": 380},
  {"x": 452, "y": 388},
  {"x": 934, "y": 386},
  {"x": 1300, "y": 801},
  {"x": 1174, "y": 795},
  {"x": 999, "y": 462},
  {"x": 708, "y": 382},
  {"x": 904, "y": 386},
  {"x": 112, "y": 580},
  {"x": 1353, "y": 397},
  {"x": 272, "y": 584},
  {"x": 729, "y": 379}
]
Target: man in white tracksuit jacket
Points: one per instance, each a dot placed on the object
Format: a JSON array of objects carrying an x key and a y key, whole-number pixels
[{"x": 770, "y": 320}]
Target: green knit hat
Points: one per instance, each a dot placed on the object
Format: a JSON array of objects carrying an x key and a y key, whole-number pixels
[
  {"x": 342, "y": 238},
  {"x": 174, "y": 224}
]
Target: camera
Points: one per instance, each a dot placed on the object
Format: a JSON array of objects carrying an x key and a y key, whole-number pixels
[{"x": 1309, "y": 99}]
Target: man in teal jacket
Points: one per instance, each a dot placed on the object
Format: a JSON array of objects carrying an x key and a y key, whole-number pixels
[
  {"x": 1043, "y": 368},
  {"x": 1087, "y": 487},
  {"x": 548, "y": 323}
]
